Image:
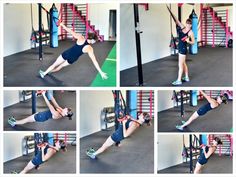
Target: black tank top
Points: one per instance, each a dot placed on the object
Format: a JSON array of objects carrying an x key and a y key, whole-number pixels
[
  {"x": 72, "y": 54},
  {"x": 182, "y": 35}
]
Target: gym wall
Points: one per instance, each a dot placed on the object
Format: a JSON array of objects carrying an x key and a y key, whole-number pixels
[
  {"x": 154, "y": 40},
  {"x": 17, "y": 26},
  {"x": 99, "y": 16},
  {"x": 230, "y": 10},
  {"x": 11, "y": 97},
  {"x": 91, "y": 105},
  {"x": 12, "y": 145},
  {"x": 170, "y": 149},
  {"x": 164, "y": 100}
]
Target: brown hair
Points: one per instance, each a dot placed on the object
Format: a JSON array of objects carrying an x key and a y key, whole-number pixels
[
  {"x": 224, "y": 99},
  {"x": 92, "y": 36},
  {"x": 218, "y": 140},
  {"x": 189, "y": 21},
  {"x": 69, "y": 113},
  {"x": 62, "y": 145},
  {"x": 146, "y": 117}
]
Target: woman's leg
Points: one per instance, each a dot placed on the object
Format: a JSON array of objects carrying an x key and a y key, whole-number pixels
[
  {"x": 185, "y": 69},
  {"x": 58, "y": 68},
  {"x": 182, "y": 59},
  {"x": 58, "y": 62},
  {"x": 191, "y": 119},
  {"x": 109, "y": 142},
  {"x": 198, "y": 168},
  {"x": 25, "y": 120},
  {"x": 28, "y": 167}
]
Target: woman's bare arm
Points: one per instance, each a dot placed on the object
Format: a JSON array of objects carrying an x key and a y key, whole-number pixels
[
  {"x": 75, "y": 35},
  {"x": 192, "y": 41},
  {"x": 51, "y": 108},
  {"x": 130, "y": 130},
  {"x": 48, "y": 155},
  {"x": 210, "y": 152},
  {"x": 90, "y": 52},
  {"x": 208, "y": 98},
  {"x": 175, "y": 19}
]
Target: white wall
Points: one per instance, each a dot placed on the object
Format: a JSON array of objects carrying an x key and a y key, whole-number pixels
[
  {"x": 99, "y": 16},
  {"x": 91, "y": 106},
  {"x": 170, "y": 149},
  {"x": 155, "y": 38},
  {"x": 12, "y": 145},
  {"x": 17, "y": 26},
  {"x": 164, "y": 100},
  {"x": 11, "y": 97}
]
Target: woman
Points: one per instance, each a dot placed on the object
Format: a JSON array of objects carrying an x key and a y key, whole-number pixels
[
  {"x": 186, "y": 36},
  {"x": 45, "y": 153},
  {"x": 206, "y": 153},
  {"x": 54, "y": 112},
  {"x": 71, "y": 55},
  {"x": 125, "y": 129},
  {"x": 212, "y": 104}
]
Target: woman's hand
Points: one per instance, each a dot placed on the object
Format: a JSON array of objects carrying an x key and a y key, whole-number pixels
[
  {"x": 43, "y": 92},
  {"x": 187, "y": 40},
  {"x": 203, "y": 148},
  {"x": 124, "y": 121},
  {"x": 103, "y": 75},
  {"x": 61, "y": 23},
  {"x": 43, "y": 147},
  {"x": 201, "y": 91}
]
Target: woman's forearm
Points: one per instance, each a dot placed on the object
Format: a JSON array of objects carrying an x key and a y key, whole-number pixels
[
  {"x": 54, "y": 102},
  {"x": 66, "y": 28},
  {"x": 191, "y": 42},
  {"x": 43, "y": 156},
  {"x": 95, "y": 63},
  {"x": 97, "y": 66},
  {"x": 69, "y": 31},
  {"x": 124, "y": 130},
  {"x": 208, "y": 154},
  {"x": 51, "y": 108},
  {"x": 175, "y": 18}
]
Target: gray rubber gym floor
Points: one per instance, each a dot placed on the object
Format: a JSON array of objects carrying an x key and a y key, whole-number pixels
[
  {"x": 210, "y": 67},
  {"x": 216, "y": 120},
  {"x": 62, "y": 162},
  {"x": 21, "y": 69},
  {"x": 136, "y": 154},
  {"x": 215, "y": 164},
  {"x": 24, "y": 109}
]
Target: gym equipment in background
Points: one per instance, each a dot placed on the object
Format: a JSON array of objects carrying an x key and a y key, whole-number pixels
[{"x": 193, "y": 49}]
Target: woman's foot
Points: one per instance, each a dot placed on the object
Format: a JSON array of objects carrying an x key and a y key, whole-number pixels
[
  {"x": 179, "y": 127},
  {"x": 41, "y": 73},
  {"x": 14, "y": 172},
  {"x": 185, "y": 79},
  {"x": 12, "y": 121},
  {"x": 91, "y": 153},
  {"x": 177, "y": 82}
]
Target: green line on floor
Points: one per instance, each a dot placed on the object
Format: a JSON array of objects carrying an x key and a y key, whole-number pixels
[{"x": 109, "y": 67}]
